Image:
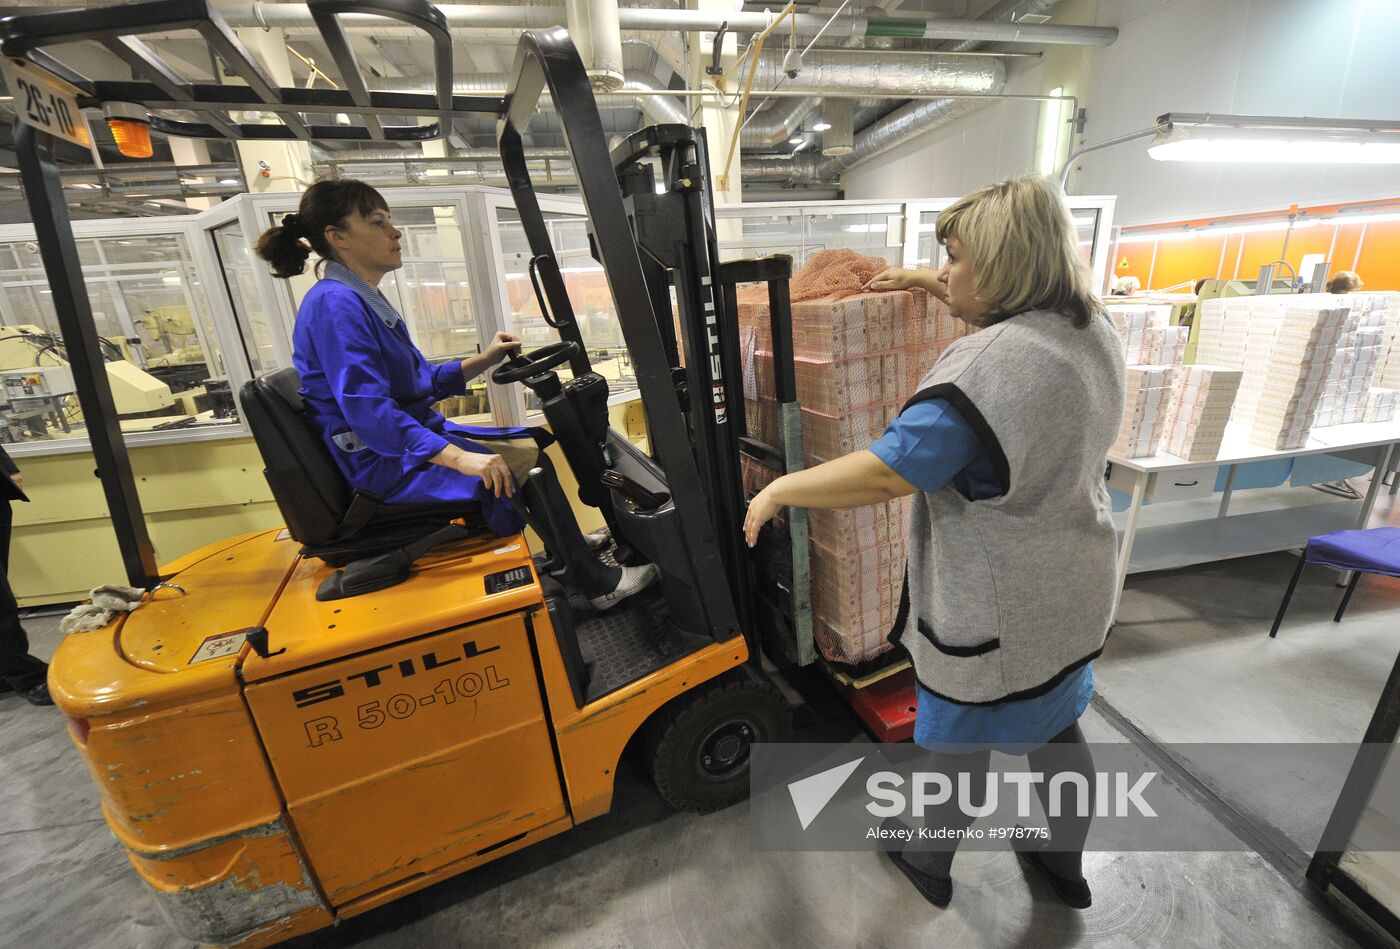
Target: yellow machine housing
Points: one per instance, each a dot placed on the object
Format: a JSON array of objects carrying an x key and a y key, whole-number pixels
[{"x": 373, "y": 746}]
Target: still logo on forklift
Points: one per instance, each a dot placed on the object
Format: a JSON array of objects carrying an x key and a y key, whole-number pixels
[{"x": 374, "y": 677}]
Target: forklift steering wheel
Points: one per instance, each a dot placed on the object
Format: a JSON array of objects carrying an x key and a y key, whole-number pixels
[{"x": 518, "y": 368}]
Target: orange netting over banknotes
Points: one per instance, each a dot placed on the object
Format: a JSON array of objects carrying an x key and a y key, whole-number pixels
[
  {"x": 827, "y": 275},
  {"x": 833, "y": 274}
]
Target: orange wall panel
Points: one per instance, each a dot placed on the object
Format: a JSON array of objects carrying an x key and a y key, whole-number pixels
[
  {"x": 1379, "y": 263},
  {"x": 1259, "y": 248},
  {"x": 1186, "y": 261},
  {"x": 1344, "y": 252},
  {"x": 1372, "y": 248},
  {"x": 1138, "y": 258}
]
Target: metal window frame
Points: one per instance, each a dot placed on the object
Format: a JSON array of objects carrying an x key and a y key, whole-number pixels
[
  {"x": 915, "y": 230},
  {"x": 190, "y": 228}
]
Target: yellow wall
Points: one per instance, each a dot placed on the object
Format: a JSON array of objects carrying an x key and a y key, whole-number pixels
[{"x": 193, "y": 494}]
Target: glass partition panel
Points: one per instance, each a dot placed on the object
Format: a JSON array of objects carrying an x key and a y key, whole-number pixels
[
  {"x": 164, "y": 363},
  {"x": 802, "y": 231},
  {"x": 434, "y": 295},
  {"x": 931, "y": 253},
  {"x": 237, "y": 261},
  {"x": 588, "y": 292},
  {"x": 1086, "y": 229}
]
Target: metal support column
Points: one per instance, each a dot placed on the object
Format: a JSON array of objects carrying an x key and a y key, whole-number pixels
[{"x": 54, "y": 233}]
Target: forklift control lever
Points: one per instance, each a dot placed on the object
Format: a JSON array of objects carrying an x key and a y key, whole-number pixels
[
  {"x": 518, "y": 368},
  {"x": 638, "y": 495}
]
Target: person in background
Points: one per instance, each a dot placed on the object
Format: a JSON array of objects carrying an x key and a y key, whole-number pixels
[
  {"x": 1011, "y": 577},
  {"x": 1188, "y": 312},
  {"x": 19, "y": 671},
  {"x": 1344, "y": 281},
  {"x": 370, "y": 391},
  {"x": 1126, "y": 286}
]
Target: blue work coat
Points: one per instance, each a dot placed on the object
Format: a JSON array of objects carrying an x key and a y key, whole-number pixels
[{"x": 370, "y": 392}]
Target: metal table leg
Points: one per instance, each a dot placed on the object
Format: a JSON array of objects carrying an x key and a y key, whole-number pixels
[
  {"x": 1370, "y": 501},
  {"x": 1346, "y": 577},
  {"x": 1125, "y": 547},
  {"x": 1229, "y": 490}
]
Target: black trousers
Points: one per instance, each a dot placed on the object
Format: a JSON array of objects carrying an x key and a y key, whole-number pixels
[{"x": 19, "y": 670}]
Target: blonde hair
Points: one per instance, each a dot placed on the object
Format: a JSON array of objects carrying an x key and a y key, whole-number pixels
[
  {"x": 1021, "y": 241},
  {"x": 1344, "y": 281}
]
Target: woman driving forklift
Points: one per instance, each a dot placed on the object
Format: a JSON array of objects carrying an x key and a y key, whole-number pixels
[{"x": 370, "y": 391}]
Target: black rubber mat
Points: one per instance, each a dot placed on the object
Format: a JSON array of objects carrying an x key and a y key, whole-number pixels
[{"x": 630, "y": 641}]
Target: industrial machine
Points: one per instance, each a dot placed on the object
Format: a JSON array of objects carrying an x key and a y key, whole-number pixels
[
  {"x": 298, "y": 726},
  {"x": 39, "y": 388}
]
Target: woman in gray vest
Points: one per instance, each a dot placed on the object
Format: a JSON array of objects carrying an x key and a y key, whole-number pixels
[{"x": 1011, "y": 562}]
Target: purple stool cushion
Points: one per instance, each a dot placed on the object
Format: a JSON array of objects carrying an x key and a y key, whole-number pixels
[{"x": 1372, "y": 551}]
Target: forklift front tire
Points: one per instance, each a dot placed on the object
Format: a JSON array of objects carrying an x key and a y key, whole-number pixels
[{"x": 699, "y": 750}]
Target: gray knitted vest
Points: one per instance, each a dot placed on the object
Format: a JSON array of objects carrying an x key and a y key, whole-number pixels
[{"x": 1006, "y": 597}]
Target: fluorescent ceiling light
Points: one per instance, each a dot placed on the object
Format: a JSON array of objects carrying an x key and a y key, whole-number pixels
[
  {"x": 820, "y": 126},
  {"x": 1276, "y": 145},
  {"x": 1360, "y": 218},
  {"x": 1222, "y": 231},
  {"x": 795, "y": 140}
]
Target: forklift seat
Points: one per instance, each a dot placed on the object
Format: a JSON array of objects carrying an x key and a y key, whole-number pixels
[{"x": 332, "y": 521}]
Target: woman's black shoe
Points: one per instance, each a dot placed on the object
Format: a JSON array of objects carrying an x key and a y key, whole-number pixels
[
  {"x": 937, "y": 890},
  {"x": 37, "y": 695},
  {"x": 1073, "y": 893}
]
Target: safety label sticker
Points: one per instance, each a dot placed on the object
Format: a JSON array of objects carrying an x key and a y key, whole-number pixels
[{"x": 215, "y": 647}]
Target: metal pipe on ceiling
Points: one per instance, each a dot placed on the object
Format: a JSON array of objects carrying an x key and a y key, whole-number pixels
[
  {"x": 659, "y": 109},
  {"x": 891, "y": 75},
  {"x": 484, "y": 16},
  {"x": 899, "y": 126}
]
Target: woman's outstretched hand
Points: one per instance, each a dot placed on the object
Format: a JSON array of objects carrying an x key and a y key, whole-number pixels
[
  {"x": 491, "y": 469},
  {"x": 893, "y": 278},
  {"x": 908, "y": 278},
  {"x": 761, "y": 510},
  {"x": 502, "y": 345}
]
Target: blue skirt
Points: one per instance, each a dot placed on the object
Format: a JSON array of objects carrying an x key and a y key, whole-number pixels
[{"x": 1024, "y": 722}]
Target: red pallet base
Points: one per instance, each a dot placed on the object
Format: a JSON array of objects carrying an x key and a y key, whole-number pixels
[{"x": 887, "y": 707}]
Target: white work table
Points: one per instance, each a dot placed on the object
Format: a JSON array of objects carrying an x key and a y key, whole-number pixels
[{"x": 1208, "y": 533}]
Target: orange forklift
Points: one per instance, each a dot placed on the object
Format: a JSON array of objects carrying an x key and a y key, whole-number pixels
[{"x": 300, "y": 725}]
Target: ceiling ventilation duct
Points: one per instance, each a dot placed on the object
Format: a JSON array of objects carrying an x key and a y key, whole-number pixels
[
  {"x": 594, "y": 28},
  {"x": 840, "y": 115}
]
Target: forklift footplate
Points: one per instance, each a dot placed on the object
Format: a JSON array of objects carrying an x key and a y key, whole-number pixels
[{"x": 631, "y": 641}]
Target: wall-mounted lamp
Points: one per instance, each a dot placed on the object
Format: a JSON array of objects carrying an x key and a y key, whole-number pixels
[
  {"x": 1191, "y": 136},
  {"x": 1290, "y": 145}
]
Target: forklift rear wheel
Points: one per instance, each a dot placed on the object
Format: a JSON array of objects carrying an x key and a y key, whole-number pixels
[{"x": 699, "y": 752}]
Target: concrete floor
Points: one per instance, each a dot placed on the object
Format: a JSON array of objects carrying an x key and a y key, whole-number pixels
[{"x": 1189, "y": 661}]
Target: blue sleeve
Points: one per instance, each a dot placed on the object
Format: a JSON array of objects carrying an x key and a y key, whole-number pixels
[
  {"x": 448, "y": 379},
  {"x": 354, "y": 365},
  {"x": 928, "y": 444}
]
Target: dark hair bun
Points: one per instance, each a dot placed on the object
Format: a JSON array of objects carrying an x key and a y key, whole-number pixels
[{"x": 284, "y": 248}]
